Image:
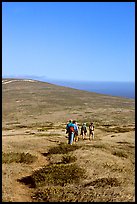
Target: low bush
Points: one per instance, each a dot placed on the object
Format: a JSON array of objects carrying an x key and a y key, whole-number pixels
[
  {"x": 55, "y": 174},
  {"x": 18, "y": 157},
  {"x": 68, "y": 159},
  {"x": 63, "y": 149}
]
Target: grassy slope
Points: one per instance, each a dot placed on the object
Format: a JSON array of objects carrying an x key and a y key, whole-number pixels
[
  {"x": 35, "y": 113},
  {"x": 35, "y": 100}
]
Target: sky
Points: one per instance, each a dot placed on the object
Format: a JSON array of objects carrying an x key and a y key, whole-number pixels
[{"x": 81, "y": 41}]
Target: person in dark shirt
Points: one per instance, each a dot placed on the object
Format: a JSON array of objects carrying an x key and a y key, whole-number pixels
[{"x": 91, "y": 131}]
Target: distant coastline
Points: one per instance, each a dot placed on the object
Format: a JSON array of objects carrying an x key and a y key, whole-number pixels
[{"x": 120, "y": 89}]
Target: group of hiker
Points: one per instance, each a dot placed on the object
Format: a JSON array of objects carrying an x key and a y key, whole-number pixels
[{"x": 72, "y": 130}]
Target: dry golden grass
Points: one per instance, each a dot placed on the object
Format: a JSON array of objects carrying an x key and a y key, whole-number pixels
[{"x": 39, "y": 165}]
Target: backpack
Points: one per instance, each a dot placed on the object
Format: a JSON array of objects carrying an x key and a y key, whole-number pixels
[
  {"x": 83, "y": 128},
  {"x": 71, "y": 129}
]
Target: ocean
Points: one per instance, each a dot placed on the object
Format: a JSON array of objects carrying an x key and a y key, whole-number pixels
[{"x": 120, "y": 89}]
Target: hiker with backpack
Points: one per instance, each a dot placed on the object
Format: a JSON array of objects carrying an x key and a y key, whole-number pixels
[
  {"x": 72, "y": 128},
  {"x": 91, "y": 131},
  {"x": 67, "y": 126},
  {"x": 83, "y": 131}
]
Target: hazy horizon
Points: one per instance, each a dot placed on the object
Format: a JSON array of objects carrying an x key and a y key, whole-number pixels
[
  {"x": 113, "y": 88},
  {"x": 58, "y": 80}
]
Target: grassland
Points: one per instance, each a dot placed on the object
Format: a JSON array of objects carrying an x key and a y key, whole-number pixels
[{"x": 37, "y": 163}]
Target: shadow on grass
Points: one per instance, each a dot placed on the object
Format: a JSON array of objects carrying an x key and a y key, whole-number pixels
[{"x": 28, "y": 180}]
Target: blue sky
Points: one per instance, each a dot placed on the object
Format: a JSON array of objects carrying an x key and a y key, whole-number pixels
[{"x": 69, "y": 40}]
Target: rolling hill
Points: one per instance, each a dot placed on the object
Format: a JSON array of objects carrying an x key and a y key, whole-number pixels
[{"x": 44, "y": 167}]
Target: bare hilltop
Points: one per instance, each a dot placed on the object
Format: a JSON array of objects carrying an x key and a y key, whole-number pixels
[{"x": 37, "y": 163}]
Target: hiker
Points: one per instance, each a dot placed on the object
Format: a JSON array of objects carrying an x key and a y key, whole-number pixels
[
  {"x": 91, "y": 131},
  {"x": 67, "y": 126},
  {"x": 71, "y": 129},
  {"x": 76, "y": 132},
  {"x": 83, "y": 131}
]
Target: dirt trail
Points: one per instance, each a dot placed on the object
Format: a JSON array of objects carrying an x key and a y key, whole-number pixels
[
  {"x": 24, "y": 193},
  {"x": 16, "y": 191}
]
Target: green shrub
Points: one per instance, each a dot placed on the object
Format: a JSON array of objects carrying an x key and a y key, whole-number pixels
[
  {"x": 55, "y": 174},
  {"x": 18, "y": 157},
  {"x": 90, "y": 192},
  {"x": 55, "y": 194},
  {"x": 68, "y": 159},
  {"x": 63, "y": 149}
]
